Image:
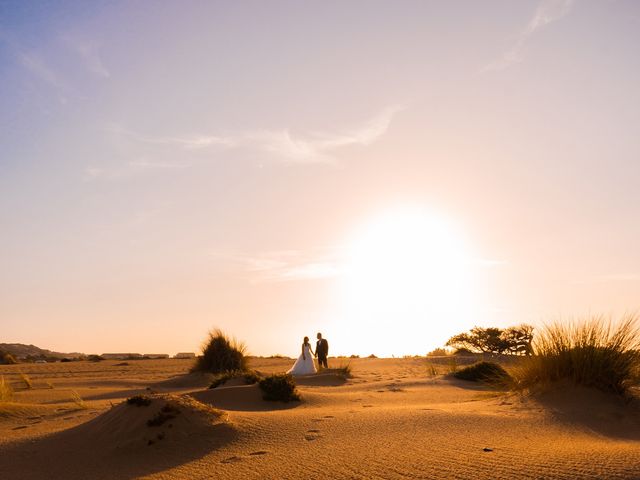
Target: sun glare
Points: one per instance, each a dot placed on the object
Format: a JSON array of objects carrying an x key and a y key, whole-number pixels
[{"x": 407, "y": 281}]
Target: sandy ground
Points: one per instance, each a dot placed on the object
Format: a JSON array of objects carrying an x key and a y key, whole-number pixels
[{"x": 393, "y": 419}]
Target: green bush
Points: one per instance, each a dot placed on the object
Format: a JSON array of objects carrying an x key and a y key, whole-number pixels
[
  {"x": 591, "y": 353},
  {"x": 221, "y": 354},
  {"x": 279, "y": 387},
  {"x": 487, "y": 372}
]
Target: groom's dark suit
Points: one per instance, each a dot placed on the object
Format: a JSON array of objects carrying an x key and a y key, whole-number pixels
[{"x": 322, "y": 350}]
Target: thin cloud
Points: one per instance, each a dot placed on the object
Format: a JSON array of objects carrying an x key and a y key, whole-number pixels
[
  {"x": 289, "y": 265},
  {"x": 281, "y": 144},
  {"x": 130, "y": 168},
  {"x": 488, "y": 262},
  {"x": 38, "y": 68},
  {"x": 188, "y": 142},
  {"x": 319, "y": 147},
  {"x": 90, "y": 56},
  {"x": 548, "y": 11}
]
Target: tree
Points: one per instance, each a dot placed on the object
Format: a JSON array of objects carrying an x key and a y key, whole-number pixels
[
  {"x": 519, "y": 339},
  {"x": 513, "y": 340}
]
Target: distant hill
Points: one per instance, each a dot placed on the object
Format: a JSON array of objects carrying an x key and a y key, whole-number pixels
[{"x": 20, "y": 350}]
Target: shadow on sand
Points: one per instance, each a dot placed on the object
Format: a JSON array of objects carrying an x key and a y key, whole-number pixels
[
  {"x": 120, "y": 444},
  {"x": 246, "y": 398},
  {"x": 605, "y": 414}
]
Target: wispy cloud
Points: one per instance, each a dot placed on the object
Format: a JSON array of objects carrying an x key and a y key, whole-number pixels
[
  {"x": 188, "y": 142},
  {"x": 130, "y": 168},
  {"x": 39, "y": 68},
  {"x": 290, "y": 265},
  {"x": 90, "y": 55},
  {"x": 320, "y": 147},
  {"x": 282, "y": 144},
  {"x": 548, "y": 11}
]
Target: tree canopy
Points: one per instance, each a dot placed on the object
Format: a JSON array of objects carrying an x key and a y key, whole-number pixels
[{"x": 511, "y": 341}]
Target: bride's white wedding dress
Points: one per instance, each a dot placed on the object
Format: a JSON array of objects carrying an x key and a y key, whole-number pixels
[{"x": 304, "y": 366}]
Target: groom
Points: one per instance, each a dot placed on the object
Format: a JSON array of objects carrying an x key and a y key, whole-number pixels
[{"x": 322, "y": 350}]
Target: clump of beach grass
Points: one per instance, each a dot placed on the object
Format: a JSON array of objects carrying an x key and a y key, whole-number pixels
[
  {"x": 6, "y": 392},
  {"x": 592, "y": 353},
  {"x": 486, "y": 372},
  {"x": 221, "y": 353},
  {"x": 78, "y": 401},
  {"x": 279, "y": 387},
  {"x": 344, "y": 370}
]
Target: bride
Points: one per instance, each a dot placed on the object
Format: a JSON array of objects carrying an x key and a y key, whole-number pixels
[{"x": 304, "y": 365}]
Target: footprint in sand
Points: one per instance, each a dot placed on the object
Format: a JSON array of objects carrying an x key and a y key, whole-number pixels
[
  {"x": 328, "y": 416},
  {"x": 367, "y": 406},
  {"x": 259, "y": 452},
  {"x": 20, "y": 427},
  {"x": 312, "y": 435}
]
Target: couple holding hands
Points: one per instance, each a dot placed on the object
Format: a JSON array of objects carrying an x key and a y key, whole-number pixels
[{"x": 304, "y": 364}]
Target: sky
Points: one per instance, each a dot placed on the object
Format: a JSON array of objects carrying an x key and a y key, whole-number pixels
[{"x": 387, "y": 173}]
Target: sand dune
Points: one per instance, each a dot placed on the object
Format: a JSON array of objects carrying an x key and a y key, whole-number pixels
[{"x": 391, "y": 420}]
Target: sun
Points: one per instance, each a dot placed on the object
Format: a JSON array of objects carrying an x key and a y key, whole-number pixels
[{"x": 407, "y": 281}]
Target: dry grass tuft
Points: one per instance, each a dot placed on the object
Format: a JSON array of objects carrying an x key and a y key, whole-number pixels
[
  {"x": 28, "y": 384},
  {"x": 344, "y": 370},
  {"x": 221, "y": 353},
  {"x": 432, "y": 371},
  {"x": 6, "y": 392},
  {"x": 592, "y": 353},
  {"x": 78, "y": 401},
  {"x": 486, "y": 372}
]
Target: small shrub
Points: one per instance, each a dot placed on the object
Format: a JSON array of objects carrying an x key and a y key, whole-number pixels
[
  {"x": 487, "y": 372},
  {"x": 354, "y": 356},
  {"x": 279, "y": 387},
  {"x": 139, "y": 401},
  {"x": 462, "y": 351},
  {"x": 251, "y": 377},
  {"x": 592, "y": 353},
  {"x": 66, "y": 360},
  {"x": 166, "y": 413},
  {"x": 6, "y": 392},
  {"x": 221, "y": 354},
  {"x": 94, "y": 358},
  {"x": 438, "y": 352},
  {"x": 372, "y": 356}
]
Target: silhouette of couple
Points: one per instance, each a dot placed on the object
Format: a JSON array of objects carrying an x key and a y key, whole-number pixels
[{"x": 304, "y": 364}]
